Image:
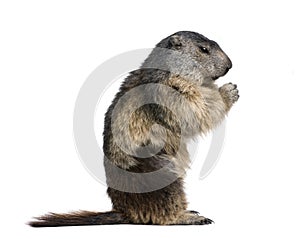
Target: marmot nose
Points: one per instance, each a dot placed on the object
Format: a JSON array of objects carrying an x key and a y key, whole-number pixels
[{"x": 229, "y": 64}]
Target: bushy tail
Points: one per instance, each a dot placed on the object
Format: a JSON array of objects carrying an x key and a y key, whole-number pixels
[{"x": 80, "y": 218}]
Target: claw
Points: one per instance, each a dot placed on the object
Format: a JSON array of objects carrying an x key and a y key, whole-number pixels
[{"x": 208, "y": 221}]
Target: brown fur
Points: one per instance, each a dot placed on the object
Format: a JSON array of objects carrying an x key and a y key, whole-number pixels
[{"x": 190, "y": 74}]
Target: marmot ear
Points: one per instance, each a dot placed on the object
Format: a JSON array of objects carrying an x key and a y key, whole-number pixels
[{"x": 175, "y": 42}]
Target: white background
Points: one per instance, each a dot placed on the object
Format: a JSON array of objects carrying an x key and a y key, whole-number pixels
[{"x": 47, "y": 50}]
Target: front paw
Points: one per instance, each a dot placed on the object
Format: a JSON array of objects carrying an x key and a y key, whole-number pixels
[{"x": 229, "y": 93}]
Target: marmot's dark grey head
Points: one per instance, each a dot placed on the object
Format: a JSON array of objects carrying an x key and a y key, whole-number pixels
[{"x": 205, "y": 54}]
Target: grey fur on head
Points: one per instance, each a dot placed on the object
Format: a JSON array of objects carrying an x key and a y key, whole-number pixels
[{"x": 191, "y": 55}]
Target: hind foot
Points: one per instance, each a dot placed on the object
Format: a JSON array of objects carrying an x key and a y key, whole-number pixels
[{"x": 193, "y": 218}]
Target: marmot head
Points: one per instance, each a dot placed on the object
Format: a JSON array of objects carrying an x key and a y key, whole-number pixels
[{"x": 206, "y": 54}]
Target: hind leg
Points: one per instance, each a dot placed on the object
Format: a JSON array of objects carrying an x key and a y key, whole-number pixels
[{"x": 160, "y": 207}]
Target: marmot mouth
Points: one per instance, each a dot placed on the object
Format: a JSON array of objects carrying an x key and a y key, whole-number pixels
[
  {"x": 226, "y": 70},
  {"x": 224, "y": 73}
]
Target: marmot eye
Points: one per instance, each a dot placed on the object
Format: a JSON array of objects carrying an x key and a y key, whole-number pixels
[{"x": 204, "y": 49}]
